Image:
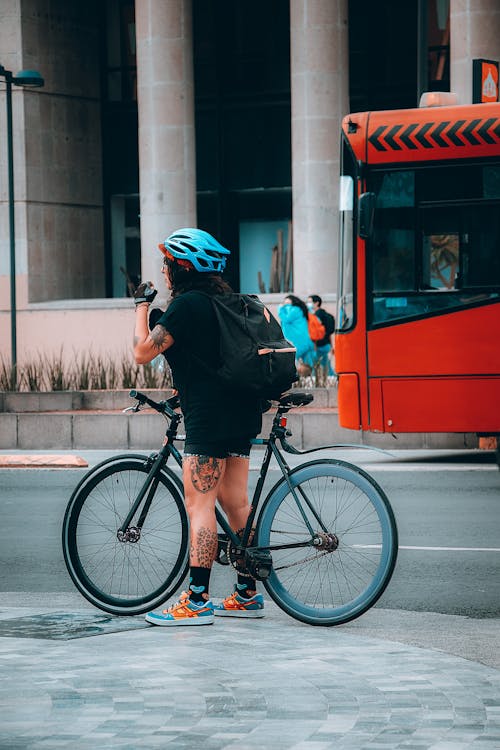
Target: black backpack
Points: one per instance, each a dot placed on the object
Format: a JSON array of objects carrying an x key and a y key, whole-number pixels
[
  {"x": 254, "y": 355},
  {"x": 328, "y": 321}
]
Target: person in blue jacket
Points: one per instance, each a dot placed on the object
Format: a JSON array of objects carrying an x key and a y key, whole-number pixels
[{"x": 293, "y": 315}]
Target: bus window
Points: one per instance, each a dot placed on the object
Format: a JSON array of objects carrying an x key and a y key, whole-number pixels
[
  {"x": 345, "y": 304},
  {"x": 440, "y": 260},
  {"x": 480, "y": 246},
  {"x": 392, "y": 251},
  {"x": 427, "y": 256},
  {"x": 440, "y": 249},
  {"x": 491, "y": 182}
]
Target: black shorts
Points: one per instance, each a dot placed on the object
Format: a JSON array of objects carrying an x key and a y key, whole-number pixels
[{"x": 230, "y": 448}]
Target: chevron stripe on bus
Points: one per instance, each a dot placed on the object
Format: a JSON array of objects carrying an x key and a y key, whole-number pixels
[{"x": 445, "y": 134}]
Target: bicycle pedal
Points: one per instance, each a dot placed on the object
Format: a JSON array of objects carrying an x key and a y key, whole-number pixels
[{"x": 258, "y": 563}]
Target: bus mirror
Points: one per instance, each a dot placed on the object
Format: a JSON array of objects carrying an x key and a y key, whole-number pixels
[{"x": 366, "y": 211}]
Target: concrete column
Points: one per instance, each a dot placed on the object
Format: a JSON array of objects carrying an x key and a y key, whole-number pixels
[
  {"x": 474, "y": 33},
  {"x": 320, "y": 98},
  {"x": 165, "y": 96}
]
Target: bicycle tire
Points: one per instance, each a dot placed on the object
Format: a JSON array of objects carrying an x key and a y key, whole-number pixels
[
  {"x": 329, "y": 586},
  {"x": 125, "y": 578}
]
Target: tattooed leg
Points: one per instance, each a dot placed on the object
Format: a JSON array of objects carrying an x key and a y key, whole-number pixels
[
  {"x": 205, "y": 472},
  {"x": 202, "y": 476},
  {"x": 203, "y": 549}
]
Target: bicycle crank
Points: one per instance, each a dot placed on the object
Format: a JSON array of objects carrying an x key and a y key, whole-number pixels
[
  {"x": 250, "y": 562},
  {"x": 132, "y": 534}
]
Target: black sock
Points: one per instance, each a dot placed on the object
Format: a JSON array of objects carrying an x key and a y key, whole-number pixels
[
  {"x": 198, "y": 584},
  {"x": 246, "y": 586}
]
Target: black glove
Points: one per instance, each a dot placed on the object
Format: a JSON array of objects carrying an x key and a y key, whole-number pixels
[{"x": 145, "y": 292}]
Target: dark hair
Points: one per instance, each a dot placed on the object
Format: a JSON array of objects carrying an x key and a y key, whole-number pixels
[
  {"x": 316, "y": 299},
  {"x": 185, "y": 280},
  {"x": 298, "y": 303}
]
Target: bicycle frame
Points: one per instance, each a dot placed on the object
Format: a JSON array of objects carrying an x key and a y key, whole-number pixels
[{"x": 278, "y": 432}]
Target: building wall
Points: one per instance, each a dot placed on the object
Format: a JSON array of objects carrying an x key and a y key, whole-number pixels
[
  {"x": 475, "y": 34},
  {"x": 63, "y": 151},
  {"x": 58, "y": 164},
  {"x": 57, "y": 151}
]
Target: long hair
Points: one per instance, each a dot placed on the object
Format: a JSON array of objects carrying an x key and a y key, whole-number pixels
[
  {"x": 298, "y": 303},
  {"x": 186, "y": 280}
]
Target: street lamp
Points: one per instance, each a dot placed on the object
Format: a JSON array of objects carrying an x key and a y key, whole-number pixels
[{"x": 33, "y": 79}]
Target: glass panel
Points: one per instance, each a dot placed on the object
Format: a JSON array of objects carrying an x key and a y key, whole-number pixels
[
  {"x": 264, "y": 262},
  {"x": 395, "y": 189},
  {"x": 480, "y": 245},
  {"x": 428, "y": 257},
  {"x": 345, "y": 311},
  {"x": 491, "y": 182},
  {"x": 125, "y": 244},
  {"x": 345, "y": 302},
  {"x": 121, "y": 51},
  {"x": 440, "y": 260},
  {"x": 393, "y": 260},
  {"x": 387, "y": 309},
  {"x": 392, "y": 250},
  {"x": 440, "y": 249}
]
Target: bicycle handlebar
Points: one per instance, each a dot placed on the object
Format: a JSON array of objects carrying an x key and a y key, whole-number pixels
[{"x": 163, "y": 407}]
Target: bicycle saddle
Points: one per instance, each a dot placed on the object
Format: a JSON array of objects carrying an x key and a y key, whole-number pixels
[{"x": 296, "y": 398}]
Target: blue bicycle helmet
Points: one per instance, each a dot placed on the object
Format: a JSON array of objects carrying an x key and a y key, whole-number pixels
[{"x": 198, "y": 248}]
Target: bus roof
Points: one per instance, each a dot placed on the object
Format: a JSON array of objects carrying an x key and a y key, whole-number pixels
[{"x": 424, "y": 134}]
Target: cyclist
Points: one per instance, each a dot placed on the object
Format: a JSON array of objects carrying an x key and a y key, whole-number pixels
[{"x": 217, "y": 447}]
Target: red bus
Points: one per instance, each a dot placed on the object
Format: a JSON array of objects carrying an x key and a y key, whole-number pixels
[{"x": 417, "y": 346}]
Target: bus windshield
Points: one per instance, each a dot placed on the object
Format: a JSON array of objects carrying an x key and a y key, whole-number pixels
[
  {"x": 436, "y": 240},
  {"x": 345, "y": 304}
]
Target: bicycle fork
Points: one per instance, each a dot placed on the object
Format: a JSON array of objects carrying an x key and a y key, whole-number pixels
[{"x": 127, "y": 532}]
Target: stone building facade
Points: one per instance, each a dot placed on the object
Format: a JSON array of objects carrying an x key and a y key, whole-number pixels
[{"x": 156, "y": 115}]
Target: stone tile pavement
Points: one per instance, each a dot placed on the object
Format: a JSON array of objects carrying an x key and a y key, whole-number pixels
[{"x": 81, "y": 679}]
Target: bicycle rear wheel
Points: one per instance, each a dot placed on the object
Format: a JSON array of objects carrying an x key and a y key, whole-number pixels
[
  {"x": 133, "y": 576},
  {"x": 343, "y": 572}
]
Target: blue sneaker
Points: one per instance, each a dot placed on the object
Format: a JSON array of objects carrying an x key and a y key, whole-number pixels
[
  {"x": 183, "y": 612},
  {"x": 237, "y": 606}
]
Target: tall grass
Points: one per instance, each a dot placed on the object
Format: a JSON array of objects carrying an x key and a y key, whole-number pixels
[
  {"x": 83, "y": 372},
  {"x": 9, "y": 379},
  {"x": 57, "y": 376}
]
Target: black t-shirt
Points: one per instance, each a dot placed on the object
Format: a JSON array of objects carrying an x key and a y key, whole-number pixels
[{"x": 211, "y": 412}]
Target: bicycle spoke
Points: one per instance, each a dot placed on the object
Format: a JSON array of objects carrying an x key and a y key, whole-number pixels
[
  {"x": 119, "y": 572},
  {"x": 351, "y": 562}
]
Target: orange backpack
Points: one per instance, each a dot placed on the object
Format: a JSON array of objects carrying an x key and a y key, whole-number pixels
[{"x": 316, "y": 328}]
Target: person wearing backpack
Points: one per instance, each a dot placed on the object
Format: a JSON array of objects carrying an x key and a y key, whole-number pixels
[
  {"x": 294, "y": 318},
  {"x": 324, "y": 346},
  {"x": 217, "y": 447}
]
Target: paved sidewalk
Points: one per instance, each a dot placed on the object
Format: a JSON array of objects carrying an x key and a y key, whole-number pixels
[{"x": 74, "y": 677}]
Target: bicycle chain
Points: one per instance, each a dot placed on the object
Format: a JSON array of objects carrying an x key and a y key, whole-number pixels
[{"x": 299, "y": 562}]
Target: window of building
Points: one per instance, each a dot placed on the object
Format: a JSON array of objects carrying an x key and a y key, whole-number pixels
[
  {"x": 243, "y": 133},
  {"x": 120, "y": 149},
  {"x": 438, "y": 45}
]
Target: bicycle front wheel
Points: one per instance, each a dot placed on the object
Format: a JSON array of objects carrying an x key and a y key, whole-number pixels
[
  {"x": 138, "y": 572},
  {"x": 333, "y": 542}
]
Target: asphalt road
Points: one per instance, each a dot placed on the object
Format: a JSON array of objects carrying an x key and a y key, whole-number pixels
[{"x": 447, "y": 510}]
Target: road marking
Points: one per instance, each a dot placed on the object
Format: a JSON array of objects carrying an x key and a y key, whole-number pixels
[
  {"x": 453, "y": 549},
  {"x": 433, "y": 549},
  {"x": 373, "y": 467}
]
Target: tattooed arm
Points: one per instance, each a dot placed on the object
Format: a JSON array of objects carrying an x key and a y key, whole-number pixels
[{"x": 148, "y": 345}]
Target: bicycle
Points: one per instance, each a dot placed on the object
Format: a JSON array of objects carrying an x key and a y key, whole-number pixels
[{"x": 324, "y": 542}]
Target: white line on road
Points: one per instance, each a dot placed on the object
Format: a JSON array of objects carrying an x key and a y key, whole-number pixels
[
  {"x": 433, "y": 549},
  {"x": 373, "y": 467}
]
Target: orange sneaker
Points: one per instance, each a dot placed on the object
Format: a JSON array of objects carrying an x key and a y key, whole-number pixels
[{"x": 237, "y": 606}]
